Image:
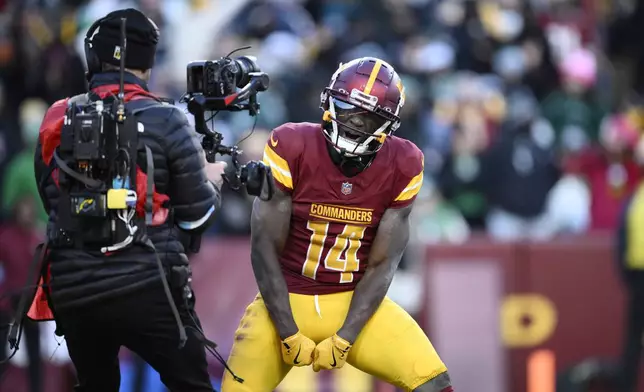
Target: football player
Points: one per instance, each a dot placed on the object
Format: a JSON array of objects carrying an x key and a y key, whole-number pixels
[{"x": 324, "y": 250}]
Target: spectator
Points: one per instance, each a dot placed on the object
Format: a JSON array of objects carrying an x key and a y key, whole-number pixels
[
  {"x": 18, "y": 240},
  {"x": 8, "y": 139},
  {"x": 519, "y": 172},
  {"x": 60, "y": 73},
  {"x": 573, "y": 112},
  {"x": 459, "y": 176},
  {"x": 610, "y": 170},
  {"x": 19, "y": 174}
]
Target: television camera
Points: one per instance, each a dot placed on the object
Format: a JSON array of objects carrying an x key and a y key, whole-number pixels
[{"x": 228, "y": 84}]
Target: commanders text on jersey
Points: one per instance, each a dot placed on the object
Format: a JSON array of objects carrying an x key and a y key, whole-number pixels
[{"x": 341, "y": 213}]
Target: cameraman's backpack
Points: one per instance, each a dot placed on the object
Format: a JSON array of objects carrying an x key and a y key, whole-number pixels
[{"x": 97, "y": 176}]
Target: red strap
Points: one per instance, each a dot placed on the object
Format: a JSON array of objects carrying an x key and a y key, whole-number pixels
[
  {"x": 40, "y": 310},
  {"x": 159, "y": 213},
  {"x": 53, "y": 121}
]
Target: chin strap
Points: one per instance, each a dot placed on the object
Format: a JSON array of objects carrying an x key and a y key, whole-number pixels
[{"x": 350, "y": 166}]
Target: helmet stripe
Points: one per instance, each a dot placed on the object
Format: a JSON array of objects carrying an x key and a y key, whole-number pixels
[{"x": 372, "y": 78}]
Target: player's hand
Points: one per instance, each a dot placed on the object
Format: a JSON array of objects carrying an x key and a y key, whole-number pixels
[
  {"x": 297, "y": 350},
  {"x": 215, "y": 172},
  {"x": 331, "y": 353}
]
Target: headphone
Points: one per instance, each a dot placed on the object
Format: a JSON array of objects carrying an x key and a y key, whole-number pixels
[{"x": 93, "y": 62}]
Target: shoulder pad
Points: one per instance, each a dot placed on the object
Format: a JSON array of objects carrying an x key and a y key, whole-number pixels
[
  {"x": 410, "y": 159},
  {"x": 287, "y": 140},
  {"x": 282, "y": 153},
  {"x": 410, "y": 163}
]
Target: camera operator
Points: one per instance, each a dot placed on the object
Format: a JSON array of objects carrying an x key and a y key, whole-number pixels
[{"x": 102, "y": 301}]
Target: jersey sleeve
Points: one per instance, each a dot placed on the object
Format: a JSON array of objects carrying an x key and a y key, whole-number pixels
[
  {"x": 281, "y": 153},
  {"x": 411, "y": 166}
]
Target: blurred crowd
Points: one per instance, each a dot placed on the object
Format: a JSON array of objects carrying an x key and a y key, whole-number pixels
[
  {"x": 529, "y": 129},
  {"x": 529, "y": 112}
]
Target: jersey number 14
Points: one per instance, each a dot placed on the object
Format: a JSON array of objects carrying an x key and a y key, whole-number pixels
[{"x": 343, "y": 255}]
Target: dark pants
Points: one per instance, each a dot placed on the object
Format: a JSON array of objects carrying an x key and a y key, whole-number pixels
[
  {"x": 31, "y": 341},
  {"x": 139, "y": 367},
  {"x": 143, "y": 323},
  {"x": 632, "y": 350}
]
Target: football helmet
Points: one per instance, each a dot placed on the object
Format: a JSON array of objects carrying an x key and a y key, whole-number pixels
[{"x": 361, "y": 106}]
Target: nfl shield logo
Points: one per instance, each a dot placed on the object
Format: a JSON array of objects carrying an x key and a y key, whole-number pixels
[{"x": 346, "y": 188}]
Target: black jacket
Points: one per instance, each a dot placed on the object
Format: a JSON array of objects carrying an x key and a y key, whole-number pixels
[
  {"x": 82, "y": 277},
  {"x": 518, "y": 174}
]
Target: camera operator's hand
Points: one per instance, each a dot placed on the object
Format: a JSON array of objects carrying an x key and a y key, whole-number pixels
[{"x": 215, "y": 172}]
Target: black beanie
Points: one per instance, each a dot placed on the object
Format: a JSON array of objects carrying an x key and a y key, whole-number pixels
[{"x": 142, "y": 37}]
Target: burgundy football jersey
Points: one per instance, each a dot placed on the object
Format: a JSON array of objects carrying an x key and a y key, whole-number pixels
[{"x": 335, "y": 218}]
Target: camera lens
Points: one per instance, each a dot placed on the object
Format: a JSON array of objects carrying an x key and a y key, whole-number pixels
[{"x": 246, "y": 65}]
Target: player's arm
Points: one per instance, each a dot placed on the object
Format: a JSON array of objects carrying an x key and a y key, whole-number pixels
[
  {"x": 270, "y": 224},
  {"x": 270, "y": 221},
  {"x": 387, "y": 250}
]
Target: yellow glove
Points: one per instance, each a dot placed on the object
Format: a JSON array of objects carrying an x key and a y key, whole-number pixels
[
  {"x": 297, "y": 350},
  {"x": 331, "y": 353}
]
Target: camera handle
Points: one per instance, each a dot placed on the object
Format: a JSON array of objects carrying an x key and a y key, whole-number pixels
[{"x": 211, "y": 142}]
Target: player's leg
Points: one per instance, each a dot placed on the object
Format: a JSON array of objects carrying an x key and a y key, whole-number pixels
[
  {"x": 394, "y": 348},
  {"x": 256, "y": 356}
]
